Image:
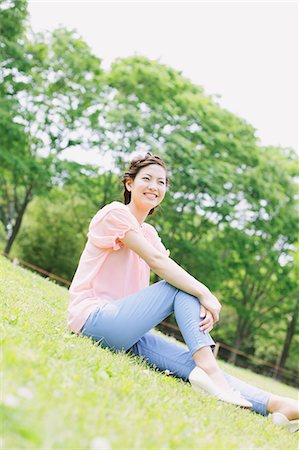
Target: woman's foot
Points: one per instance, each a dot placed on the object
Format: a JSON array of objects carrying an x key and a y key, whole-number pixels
[
  {"x": 285, "y": 412},
  {"x": 282, "y": 421},
  {"x": 200, "y": 380}
]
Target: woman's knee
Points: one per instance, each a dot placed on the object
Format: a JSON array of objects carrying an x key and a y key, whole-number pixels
[
  {"x": 165, "y": 284},
  {"x": 183, "y": 297}
]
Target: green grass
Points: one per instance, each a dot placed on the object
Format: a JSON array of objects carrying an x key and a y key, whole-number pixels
[{"x": 63, "y": 392}]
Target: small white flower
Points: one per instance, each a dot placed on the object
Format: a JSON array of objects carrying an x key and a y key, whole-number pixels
[
  {"x": 67, "y": 335},
  {"x": 10, "y": 400},
  {"x": 103, "y": 374},
  {"x": 167, "y": 372},
  {"x": 25, "y": 393},
  {"x": 100, "y": 443}
]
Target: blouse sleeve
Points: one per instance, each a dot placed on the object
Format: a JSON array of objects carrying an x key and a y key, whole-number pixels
[
  {"x": 155, "y": 239},
  {"x": 106, "y": 231}
]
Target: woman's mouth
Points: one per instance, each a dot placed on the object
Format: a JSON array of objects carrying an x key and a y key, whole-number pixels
[{"x": 150, "y": 196}]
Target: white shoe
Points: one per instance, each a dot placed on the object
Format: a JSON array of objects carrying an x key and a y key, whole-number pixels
[
  {"x": 282, "y": 421},
  {"x": 200, "y": 380}
]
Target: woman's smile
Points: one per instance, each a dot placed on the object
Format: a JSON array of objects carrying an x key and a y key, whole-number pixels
[{"x": 150, "y": 195}]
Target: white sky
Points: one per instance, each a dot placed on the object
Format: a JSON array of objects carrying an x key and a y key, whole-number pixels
[{"x": 247, "y": 52}]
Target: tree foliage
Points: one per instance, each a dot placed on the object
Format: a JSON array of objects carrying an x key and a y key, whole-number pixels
[
  {"x": 55, "y": 228},
  {"x": 51, "y": 100}
]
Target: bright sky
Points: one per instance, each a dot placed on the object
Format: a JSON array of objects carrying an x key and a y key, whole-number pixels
[{"x": 247, "y": 52}]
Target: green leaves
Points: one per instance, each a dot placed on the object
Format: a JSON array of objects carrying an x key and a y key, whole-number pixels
[
  {"x": 55, "y": 228},
  {"x": 45, "y": 99}
]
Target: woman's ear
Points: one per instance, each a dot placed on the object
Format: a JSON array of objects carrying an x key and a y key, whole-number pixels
[{"x": 128, "y": 184}]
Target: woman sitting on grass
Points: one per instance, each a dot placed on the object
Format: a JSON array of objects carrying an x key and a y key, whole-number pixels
[{"x": 112, "y": 302}]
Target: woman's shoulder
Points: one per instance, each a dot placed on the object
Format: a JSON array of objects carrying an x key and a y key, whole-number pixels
[
  {"x": 110, "y": 207},
  {"x": 149, "y": 229},
  {"x": 113, "y": 205},
  {"x": 118, "y": 210}
]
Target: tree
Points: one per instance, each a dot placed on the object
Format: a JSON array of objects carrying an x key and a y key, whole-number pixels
[
  {"x": 290, "y": 333},
  {"x": 257, "y": 253},
  {"x": 55, "y": 227},
  {"x": 290, "y": 314},
  {"x": 52, "y": 102},
  {"x": 13, "y": 66},
  {"x": 155, "y": 108}
]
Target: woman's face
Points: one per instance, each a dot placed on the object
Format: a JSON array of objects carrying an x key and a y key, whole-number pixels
[{"x": 149, "y": 187}]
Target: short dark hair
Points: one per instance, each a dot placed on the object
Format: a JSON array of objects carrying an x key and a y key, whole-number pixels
[{"x": 136, "y": 164}]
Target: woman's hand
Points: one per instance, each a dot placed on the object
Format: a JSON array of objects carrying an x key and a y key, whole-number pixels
[
  {"x": 207, "y": 322},
  {"x": 212, "y": 304}
]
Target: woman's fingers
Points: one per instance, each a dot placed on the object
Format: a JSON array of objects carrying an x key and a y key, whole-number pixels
[
  {"x": 209, "y": 312},
  {"x": 203, "y": 312},
  {"x": 207, "y": 327},
  {"x": 207, "y": 322},
  {"x": 212, "y": 304},
  {"x": 215, "y": 315}
]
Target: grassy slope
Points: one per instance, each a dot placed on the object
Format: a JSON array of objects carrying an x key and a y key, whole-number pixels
[{"x": 62, "y": 392}]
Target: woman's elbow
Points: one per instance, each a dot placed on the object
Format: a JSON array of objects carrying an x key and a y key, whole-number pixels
[{"x": 158, "y": 261}]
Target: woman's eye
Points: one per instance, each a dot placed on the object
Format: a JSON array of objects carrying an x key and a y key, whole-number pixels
[
  {"x": 145, "y": 178},
  {"x": 162, "y": 182}
]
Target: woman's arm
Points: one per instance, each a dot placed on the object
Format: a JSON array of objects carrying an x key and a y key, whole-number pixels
[{"x": 170, "y": 271}]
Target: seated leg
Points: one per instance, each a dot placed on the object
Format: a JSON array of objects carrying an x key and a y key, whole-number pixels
[{"x": 159, "y": 352}]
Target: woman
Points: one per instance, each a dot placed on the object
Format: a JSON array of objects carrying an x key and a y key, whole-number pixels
[{"x": 112, "y": 302}]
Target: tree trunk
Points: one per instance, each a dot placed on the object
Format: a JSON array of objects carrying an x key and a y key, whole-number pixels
[
  {"x": 237, "y": 343},
  {"x": 288, "y": 340},
  {"x": 18, "y": 223},
  {"x": 233, "y": 356}
]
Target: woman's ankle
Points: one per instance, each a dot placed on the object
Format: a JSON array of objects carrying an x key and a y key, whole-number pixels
[
  {"x": 216, "y": 375},
  {"x": 218, "y": 378},
  {"x": 205, "y": 360},
  {"x": 284, "y": 405}
]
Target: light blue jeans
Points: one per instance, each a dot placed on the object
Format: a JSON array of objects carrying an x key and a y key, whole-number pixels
[{"x": 124, "y": 325}]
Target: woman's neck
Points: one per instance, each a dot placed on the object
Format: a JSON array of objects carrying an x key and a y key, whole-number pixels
[{"x": 139, "y": 214}]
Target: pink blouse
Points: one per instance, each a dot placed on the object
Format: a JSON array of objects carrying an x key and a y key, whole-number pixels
[{"x": 107, "y": 269}]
